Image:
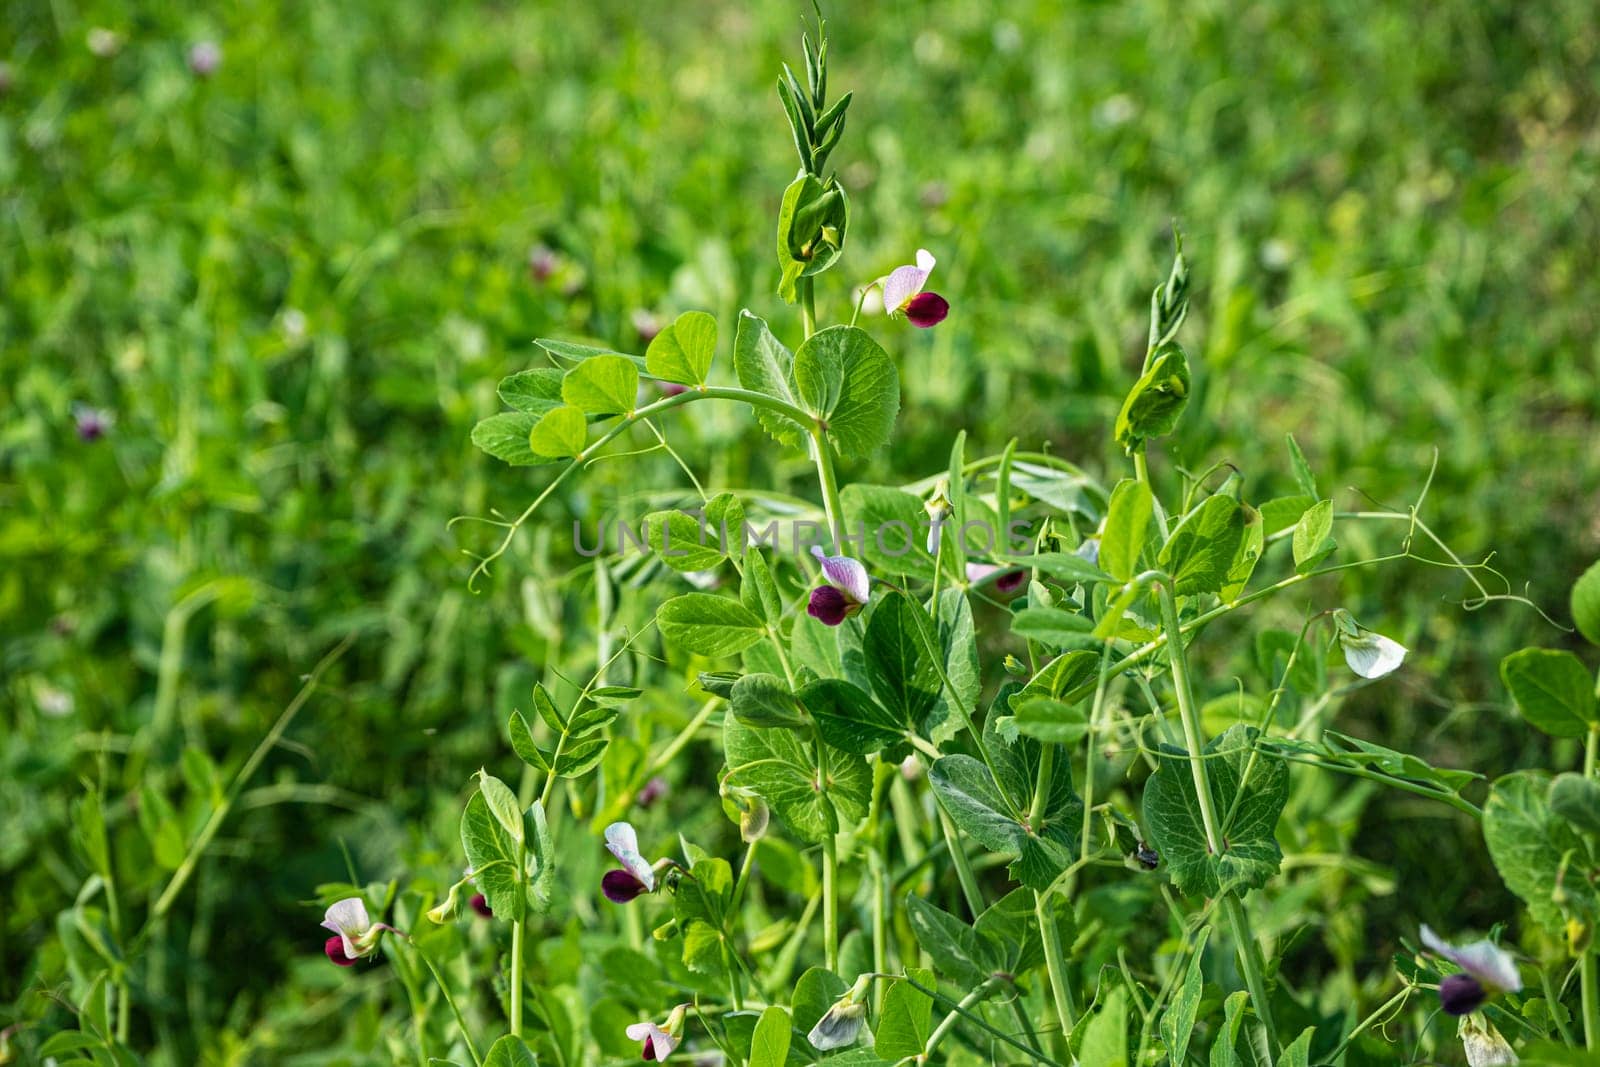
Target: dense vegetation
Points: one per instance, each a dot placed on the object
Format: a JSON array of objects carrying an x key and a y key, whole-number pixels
[{"x": 252, "y": 307}]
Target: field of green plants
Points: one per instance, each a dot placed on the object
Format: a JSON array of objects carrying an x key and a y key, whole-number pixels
[{"x": 1150, "y": 454}]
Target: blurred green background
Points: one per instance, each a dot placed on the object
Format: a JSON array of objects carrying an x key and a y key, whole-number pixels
[{"x": 293, "y": 284}]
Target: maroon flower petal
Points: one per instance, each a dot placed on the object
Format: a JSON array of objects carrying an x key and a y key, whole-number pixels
[
  {"x": 620, "y": 887},
  {"x": 1010, "y": 582},
  {"x": 1461, "y": 994},
  {"x": 828, "y": 605},
  {"x": 480, "y": 904},
  {"x": 927, "y": 309},
  {"x": 649, "y": 1048},
  {"x": 334, "y": 947}
]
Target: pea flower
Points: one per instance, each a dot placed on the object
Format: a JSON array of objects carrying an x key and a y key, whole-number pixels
[
  {"x": 841, "y": 1024},
  {"x": 1486, "y": 969},
  {"x": 636, "y": 875},
  {"x": 659, "y": 1041},
  {"x": 91, "y": 423},
  {"x": 651, "y": 791},
  {"x": 845, "y": 592},
  {"x": 354, "y": 934},
  {"x": 903, "y": 293},
  {"x": 1485, "y": 1046},
  {"x": 204, "y": 58},
  {"x": 1006, "y": 580},
  {"x": 1369, "y": 654}
]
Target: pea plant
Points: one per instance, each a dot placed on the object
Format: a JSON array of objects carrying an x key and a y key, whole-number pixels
[{"x": 954, "y": 726}]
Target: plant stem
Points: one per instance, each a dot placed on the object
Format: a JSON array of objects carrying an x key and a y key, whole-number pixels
[
  {"x": 1041, "y": 787},
  {"x": 878, "y": 872},
  {"x": 1590, "y": 982},
  {"x": 949, "y": 1021},
  {"x": 830, "y": 903},
  {"x": 1589, "y": 748},
  {"x": 958, "y": 855},
  {"x": 516, "y": 971},
  {"x": 808, "y": 306},
  {"x": 830, "y": 488},
  {"x": 1183, "y": 685},
  {"x": 1055, "y": 965}
]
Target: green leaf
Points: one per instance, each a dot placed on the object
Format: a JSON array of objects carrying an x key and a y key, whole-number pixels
[
  {"x": 1127, "y": 521},
  {"x": 1313, "y": 542},
  {"x": 602, "y": 385},
  {"x": 1532, "y": 846},
  {"x": 1303, "y": 477},
  {"x": 1577, "y": 800},
  {"x": 1105, "y": 1039},
  {"x": 709, "y": 625},
  {"x": 1246, "y": 557},
  {"x": 813, "y": 995},
  {"x": 1224, "y": 1052},
  {"x": 505, "y": 437},
  {"x": 769, "y": 1046},
  {"x": 702, "y": 947},
  {"x": 1066, "y": 566},
  {"x": 907, "y": 1018},
  {"x": 1283, "y": 513},
  {"x": 849, "y": 383},
  {"x": 682, "y": 352},
  {"x": 502, "y": 805},
  {"x": 955, "y": 948},
  {"x": 509, "y": 1051},
  {"x": 896, "y": 526},
  {"x": 1298, "y": 1053},
  {"x": 849, "y": 719},
  {"x": 763, "y": 365},
  {"x": 959, "y": 642},
  {"x": 782, "y": 769},
  {"x": 812, "y": 221},
  {"x": 1156, "y": 400},
  {"x": 1054, "y": 627},
  {"x": 1586, "y": 603},
  {"x": 1552, "y": 689},
  {"x": 492, "y": 855},
  {"x": 1009, "y": 928},
  {"x": 535, "y": 391},
  {"x": 757, "y": 590},
  {"x": 1202, "y": 549},
  {"x": 523, "y": 745},
  {"x": 1177, "y": 1022},
  {"x": 1050, "y": 720},
  {"x": 764, "y": 700},
  {"x": 576, "y": 760},
  {"x": 559, "y": 433},
  {"x": 683, "y": 541},
  {"x": 898, "y": 667},
  {"x": 994, "y": 811},
  {"x": 1250, "y": 854}
]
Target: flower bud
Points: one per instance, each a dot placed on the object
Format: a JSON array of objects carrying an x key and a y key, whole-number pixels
[{"x": 753, "y": 819}]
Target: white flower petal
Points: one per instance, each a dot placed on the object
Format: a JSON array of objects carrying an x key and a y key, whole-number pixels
[
  {"x": 836, "y": 1029},
  {"x": 1372, "y": 655},
  {"x": 348, "y": 918},
  {"x": 661, "y": 1042},
  {"x": 977, "y": 572},
  {"x": 925, "y": 261},
  {"x": 1484, "y": 960},
  {"x": 623, "y": 843},
  {"x": 901, "y": 285},
  {"x": 846, "y": 574},
  {"x": 1484, "y": 1045}
]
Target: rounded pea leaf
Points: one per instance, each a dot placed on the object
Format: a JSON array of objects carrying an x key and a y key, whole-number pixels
[
  {"x": 1202, "y": 551},
  {"x": 682, "y": 352},
  {"x": 559, "y": 433},
  {"x": 848, "y": 381},
  {"x": 505, "y": 437},
  {"x": 1529, "y": 844},
  {"x": 1250, "y": 854},
  {"x": 535, "y": 391},
  {"x": 1577, "y": 800},
  {"x": 709, "y": 625},
  {"x": 509, "y": 1051},
  {"x": 764, "y": 365},
  {"x": 602, "y": 385},
  {"x": 1552, "y": 689},
  {"x": 1127, "y": 519},
  {"x": 1586, "y": 604},
  {"x": 1156, "y": 400},
  {"x": 814, "y": 793}
]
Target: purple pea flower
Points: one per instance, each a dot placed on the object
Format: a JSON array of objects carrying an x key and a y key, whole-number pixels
[
  {"x": 204, "y": 58},
  {"x": 903, "y": 293},
  {"x": 1007, "y": 580},
  {"x": 1486, "y": 969},
  {"x": 636, "y": 875},
  {"x": 846, "y": 591},
  {"x": 646, "y": 324},
  {"x": 542, "y": 262},
  {"x": 480, "y": 904},
  {"x": 659, "y": 1042},
  {"x": 651, "y": 791},
  {"x": 91, "y": 423},
  {"x": 355, "y": 935}
]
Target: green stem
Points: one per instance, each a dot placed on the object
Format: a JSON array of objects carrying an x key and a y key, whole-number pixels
[
  {"x": 1041, "y": 786},
  {"x": 830, "y": 903},
  {"x": 830, "y": 488},
  {"x": 958, "y": 855},
  {"x": 516, "y": 969},
  {"x": 744, "y": 876},
  {"x": 1056, "y": 966},
  {"x": 880, "y": 925},
  {"x": 1589, "y": 750},
  {"x": 1183, "y": 685},
  {"x": 685, "y": 735},
  {"x": 808, "y": 306},
  {"x": 949, "y": 1021}
]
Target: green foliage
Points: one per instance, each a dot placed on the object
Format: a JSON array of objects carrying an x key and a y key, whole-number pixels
[
  {"x": 1249, "y": 788},
  {"x": 1156, "y": 401},
  {"x": 682, "y": 352},
  {"x": 848, "y": 382},
  {"x": 1552, "y": 689}
]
